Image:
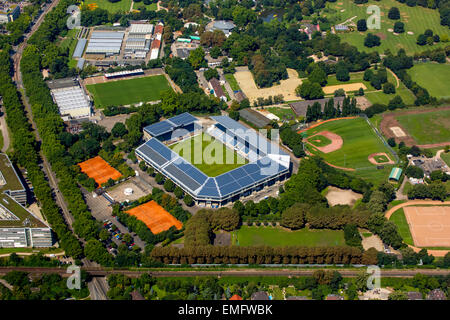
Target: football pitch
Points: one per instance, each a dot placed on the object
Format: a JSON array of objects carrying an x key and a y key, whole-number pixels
[
  {"x": 125, "y": 92},
  {"x": 214, "y": 159},
  {"x": 359, "y": 142},
  {"x": 275, "y": 236},
  {"x": 433, "y": 77}
]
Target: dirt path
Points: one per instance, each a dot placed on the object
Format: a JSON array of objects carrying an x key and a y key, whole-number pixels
[
  {"x": 436, "y": 253},
  {"x": 395, "y": 76}
]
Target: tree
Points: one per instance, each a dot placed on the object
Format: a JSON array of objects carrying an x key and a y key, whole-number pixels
[
  {"x": 342, "y": 73},
  {"x": 388, "y": 88},
  {"x": 197, "y": 58},
  {"x": 398, "y": 295},
  {"x": 399, "y": 27},
  {"x": 414, "y": 172},
  {"x": 391, "y": 142},
  {"x": 179, "y": 193},
  {"x": 294, "y": 217},
  {"x": 318, "y": 75},
  {"x": 188, "y": 200},
  {"x": 169, "y": 186},
  {"x": 119, "y": 130},
  {"x": 310, "y": 90},
  {"x": 395, "y": 103},
  {"x": 211, "y": 73},
  {"x": 394, "y": 13},
  {"x": 422, "y": 40},
  {"x": 372, "y": 40},
  {"x": 361, "y": 25},
  {"x": 159, "y": 178},
  {"x": 215, "y": 52}
]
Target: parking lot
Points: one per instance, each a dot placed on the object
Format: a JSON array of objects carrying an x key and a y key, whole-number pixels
[{"x": 101, "y": 210}]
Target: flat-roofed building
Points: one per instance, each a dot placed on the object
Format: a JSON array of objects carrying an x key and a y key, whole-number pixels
[
  {"x": 105, "y": 42},
  {"x": 9, "y": 12},
  {"x": 70, "y": 97},
  {"x": 18, "y": 226}
]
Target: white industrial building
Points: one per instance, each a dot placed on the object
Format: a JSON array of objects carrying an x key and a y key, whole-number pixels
[
  {"x": 105, "y": 42},
  {"x": 70, "y": 97}
]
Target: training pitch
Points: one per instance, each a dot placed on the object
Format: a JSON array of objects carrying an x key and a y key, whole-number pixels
[
  {"x": 215, "y": 158},
  {"x": 130, "y": 91},
  {"x": 429, "y": 226}
]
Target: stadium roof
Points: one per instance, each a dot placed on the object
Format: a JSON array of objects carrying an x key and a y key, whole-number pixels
[
  {"x": 196, "y": 182},
  {"x": 170, "y": 124}
]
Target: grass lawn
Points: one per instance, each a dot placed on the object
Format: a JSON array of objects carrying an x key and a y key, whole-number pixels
[
  {"x": 446, "y": 157},
  {"x": 416, "y": 19},
  {"x": 434, "y": 77},
  {"x": 355, "y": 77},
  {"x": 381, "y": 159},
  {"x": 319, "y": 141},
  {"x": 283, "y": 113},
  {"x": 125, "y": 92},
  {"x": 232, "y": 81},
  {"x": 122, "y": 5},
  {"x": 272, "y": 236},
  {"x": 359, "y": 142},
  {"x": 430, "y": 127},
  {"x": 150, "y": 7},
  {"x": 398, "y": 217},
  {"x": 217, "y": 158}
]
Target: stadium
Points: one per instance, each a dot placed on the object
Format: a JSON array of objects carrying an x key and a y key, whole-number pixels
[{"x": 263, "y": 162}]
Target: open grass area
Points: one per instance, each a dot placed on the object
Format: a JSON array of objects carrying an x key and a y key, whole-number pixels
[
  {"x": 446, "y": 157},
  {"x": 275, "y": 236},
  {"x": 355, "y": 77},
  {"x": 359, "y": 141},
  {"x": 283, "y": 113},
  {"x": 426, "y": 128},
  {"x": 381, "y": 159},
  {"x": 215, "y": 157},
  {"x": 434, "y": 77},
  {"x": 232, "y": 81},
  {"x": 122, "y": 5},
  {"x": 398, "y": 217},
  {"x": 416, "y": 19},
  {"x": 125, "y": 92}
]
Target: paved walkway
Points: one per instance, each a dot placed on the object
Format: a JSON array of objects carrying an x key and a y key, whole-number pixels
[
  {"x": 436, "y": 253},
  {"x": 5, "y": 133}
]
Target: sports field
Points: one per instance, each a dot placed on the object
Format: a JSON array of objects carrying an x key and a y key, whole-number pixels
[
  {"x": 215, "y": 157},
  {"x": 155, "y": 217},
  {"x": 99, "y": 170},
  {"x": 398, "y": 217},
  {"x": 276, "y": 236},
  {"x": 359, "y": 142},
  {"x": 416, "y": 19},
  {"x": 125, "y": 92},
  {"x": 427, "y": 128},
  {"x": 122, "y": 5},
  {"x": 434, "y": 77}
]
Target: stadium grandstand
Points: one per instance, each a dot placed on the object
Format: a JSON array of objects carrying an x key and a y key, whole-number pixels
[
  {"x": 266, "y": 165},
  {"x": 124, "y": 73},
  {"x": 19, "y": 227}
]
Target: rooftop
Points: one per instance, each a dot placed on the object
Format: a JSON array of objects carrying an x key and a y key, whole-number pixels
[
  {"x": 254, "y": 117},
  {"x": 301, "y": 107},
  {"x": 12, "y": 214}
]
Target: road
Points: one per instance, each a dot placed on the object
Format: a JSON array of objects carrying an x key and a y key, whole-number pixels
[
  {"x": 99, "y": 272},
  {"x": 19, "y": 83}
]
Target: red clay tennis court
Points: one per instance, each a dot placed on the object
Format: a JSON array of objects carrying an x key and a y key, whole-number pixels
[
  {"x": 155, "y": 217},
  {"x": 429, "y": 226},
  {"x": 99, "y": 170}
]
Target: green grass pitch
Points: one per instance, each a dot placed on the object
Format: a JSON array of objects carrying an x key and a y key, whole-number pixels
[
  {"x": 434, "y": 77},
  {"x": 125, "y": 92},
  {"x": 398, "y": 217},
  {"x": 359, "y": 142},
  {"x": 122, "y": 5},
  {"x": 273, "y": 236},
  {"x": 427, "y": 128},
  {"x": 215, "y": 158},
  {"x": 416, "y": 19},
  {"x": 321, "y": 141}
]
